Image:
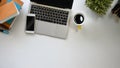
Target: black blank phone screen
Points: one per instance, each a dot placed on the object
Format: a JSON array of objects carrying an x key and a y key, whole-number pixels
[{"x": 30, "y": 23}]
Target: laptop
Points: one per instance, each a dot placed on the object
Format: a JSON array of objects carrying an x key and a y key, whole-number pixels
[{"x": 52, "y": 17}]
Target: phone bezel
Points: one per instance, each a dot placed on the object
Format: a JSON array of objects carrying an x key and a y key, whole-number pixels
[{"x": 28, "y": 31}]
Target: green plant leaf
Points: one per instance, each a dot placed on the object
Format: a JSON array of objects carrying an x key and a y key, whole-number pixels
[{"x": 99, "y": 6}]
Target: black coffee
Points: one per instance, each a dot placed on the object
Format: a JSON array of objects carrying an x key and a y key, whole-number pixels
[{"x": 79, "y": 19}]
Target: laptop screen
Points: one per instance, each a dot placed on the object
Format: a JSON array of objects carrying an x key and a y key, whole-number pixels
[{"x": 55, "y": 3}]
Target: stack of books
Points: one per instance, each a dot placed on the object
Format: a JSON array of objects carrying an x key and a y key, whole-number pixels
[
  {"x": 116, "y": 9},
  {"x": 9, "y": 9}
]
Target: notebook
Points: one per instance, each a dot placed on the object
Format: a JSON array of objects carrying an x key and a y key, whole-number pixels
[
  {"x": 5, "y": 14},
  {"x": 52, "y": 17}
]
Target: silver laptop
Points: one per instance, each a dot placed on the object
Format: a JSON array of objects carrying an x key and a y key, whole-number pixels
[{"x": 52, "y": 17}]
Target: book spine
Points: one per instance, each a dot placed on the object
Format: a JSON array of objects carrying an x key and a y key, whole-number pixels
[{"x": 116, "y": 9}]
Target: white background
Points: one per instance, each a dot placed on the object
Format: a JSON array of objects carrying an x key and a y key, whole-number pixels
[{"x": 97, "y": 45}]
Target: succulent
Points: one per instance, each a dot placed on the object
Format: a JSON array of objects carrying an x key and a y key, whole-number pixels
[{"x": 99, "y": 6}]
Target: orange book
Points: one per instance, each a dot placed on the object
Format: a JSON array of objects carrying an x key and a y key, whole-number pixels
[
  {"x": 8, "y": 11},
  {"x": 3, "y": 2}
]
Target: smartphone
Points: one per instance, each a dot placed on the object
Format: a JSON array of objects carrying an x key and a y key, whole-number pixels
[{"x": 30, "y": 23}]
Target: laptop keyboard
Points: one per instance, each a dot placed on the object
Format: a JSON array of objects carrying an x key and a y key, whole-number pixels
[{"x": 50, "y": 14}]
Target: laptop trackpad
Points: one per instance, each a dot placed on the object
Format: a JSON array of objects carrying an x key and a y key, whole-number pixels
[{"x": 46, "y": 28}]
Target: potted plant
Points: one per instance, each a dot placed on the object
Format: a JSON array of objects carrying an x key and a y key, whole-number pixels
[{"x": 99, "y": 6}]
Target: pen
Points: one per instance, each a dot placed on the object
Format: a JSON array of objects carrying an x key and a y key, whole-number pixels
[{"x": 4, "y": 31}]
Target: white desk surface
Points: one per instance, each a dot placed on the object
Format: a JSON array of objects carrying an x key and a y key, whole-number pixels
[{"x": 97, "y": 45}]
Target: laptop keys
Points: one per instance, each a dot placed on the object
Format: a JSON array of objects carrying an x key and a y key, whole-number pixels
[{"x": 50, "y": 15}]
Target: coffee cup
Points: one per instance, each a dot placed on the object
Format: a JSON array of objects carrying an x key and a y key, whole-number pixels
[{"x": 78, "y": 20}]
